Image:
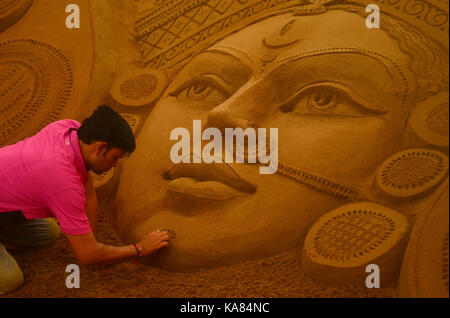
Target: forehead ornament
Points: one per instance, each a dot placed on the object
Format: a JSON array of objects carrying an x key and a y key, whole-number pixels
[
  {"x": 280, "y": 39},
  {"x": 285, "y": 37},
  {"x": 315, "y": 7}
]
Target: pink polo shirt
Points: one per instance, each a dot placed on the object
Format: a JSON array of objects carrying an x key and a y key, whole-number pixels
[{"x": 44, "y": 176}]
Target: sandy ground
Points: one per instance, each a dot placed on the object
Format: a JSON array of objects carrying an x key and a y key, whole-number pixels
[{"x": 277, "y": 276}]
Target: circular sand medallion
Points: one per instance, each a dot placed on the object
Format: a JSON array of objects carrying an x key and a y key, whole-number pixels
[
  {"x": 424, "y": 272},
  {"x": 412, "y": 172},
  {"x": 11, "y": 11},
  {"x": 430, "y": 120},
  {"x": 269, "y": 57},
  {"x": 140, "y": 88},
  {"x": 104, "y": 184},
  {"x": 340, "y": 245},
  {"x": 99, "y": 180},
  {"x": 133, "y": 120},
  {"x": 35, "y": 83}
]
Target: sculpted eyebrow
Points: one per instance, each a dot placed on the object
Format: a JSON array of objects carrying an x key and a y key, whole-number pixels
[
  {"x": 292, "y": 76},
  {"x": 227, "y": 56},
  {"x": 234, "y": 53},
  {"x": 222, "y": 66}
]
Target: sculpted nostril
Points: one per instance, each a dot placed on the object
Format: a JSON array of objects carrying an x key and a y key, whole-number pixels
[
  {"x": 166, "y": 175},
  {"x": 222, "y": 119},
  {"x": 216, "y": 119}
]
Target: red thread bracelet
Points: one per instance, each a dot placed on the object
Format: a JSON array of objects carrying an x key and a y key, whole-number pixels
[{"x": 139, "y": 250}]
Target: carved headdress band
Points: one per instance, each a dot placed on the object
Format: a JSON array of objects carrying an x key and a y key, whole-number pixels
[{"x": 178, "y": 28}]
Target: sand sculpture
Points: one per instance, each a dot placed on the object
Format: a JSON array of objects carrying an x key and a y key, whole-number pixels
[
  {"x": 412, "y": 172},
  {"x": 33, "y": 93},
  {"x": 361, "y": 115},
  {"x": 424, "y": 271},
  {"x": 343, "y": 242},
  {"x": 133, "y": 120},
  {"x": 44, "y": 76},
  {"x": 11, "y": 11},
  {"x": 140, "y": 88},
  {"x": 430, "y": 120},
  {"x": 104, "y": 184}
]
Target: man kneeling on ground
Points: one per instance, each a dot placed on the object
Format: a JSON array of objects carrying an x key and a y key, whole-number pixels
[{"x": 46, "y": 176}]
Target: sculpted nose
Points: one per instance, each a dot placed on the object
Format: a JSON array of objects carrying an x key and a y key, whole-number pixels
[
  {"x": 223, "y": 118},
  {"x": 244, "y": 109}
]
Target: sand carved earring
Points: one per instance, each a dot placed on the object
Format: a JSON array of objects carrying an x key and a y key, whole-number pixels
[
  {"x": 429, "y": 120},
  {"x": 411, "y": 173},
  {"x": 139, "y": 88},
  {"x": 342, "y": 242}
]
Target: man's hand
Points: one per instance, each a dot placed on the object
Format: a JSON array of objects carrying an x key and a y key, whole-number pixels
[
  {"x": 89, "y": 251},
  {"x": 154, "y": 241}
]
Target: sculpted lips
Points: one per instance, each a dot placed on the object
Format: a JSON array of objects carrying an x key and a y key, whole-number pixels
[{"x": 217, "y": 181}]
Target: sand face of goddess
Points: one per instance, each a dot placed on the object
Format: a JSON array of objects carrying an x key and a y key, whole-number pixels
[{"x": 330, "y": 87}]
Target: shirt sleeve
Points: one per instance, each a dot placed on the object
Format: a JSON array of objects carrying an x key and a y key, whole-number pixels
[{"x": 69, "y": 207}]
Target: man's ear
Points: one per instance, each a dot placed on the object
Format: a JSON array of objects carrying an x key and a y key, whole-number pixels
[{"x": 101, "y": 147}]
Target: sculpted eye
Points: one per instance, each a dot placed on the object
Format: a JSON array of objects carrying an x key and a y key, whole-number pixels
[
  {"x": 330, "y": 99},
  {"x": 321, "y": 100},
  {"x": 198, "y": 89},
  {"x": 205, "y": 88},
  {"x": 195, "y": 91}
]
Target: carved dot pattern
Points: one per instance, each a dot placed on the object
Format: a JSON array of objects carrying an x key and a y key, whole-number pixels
[
  {"x": 438, "y": 119},
  {"x": 35, "y": 84},
  {"x": 412, "y": 172},
  {"x": 352, "y": 234},
  {"x": 337, "y": 190},
  {"x": 139, "y": 86},
  {"x": 445, "y": 263},
  {"x": 133, "y": 120}
]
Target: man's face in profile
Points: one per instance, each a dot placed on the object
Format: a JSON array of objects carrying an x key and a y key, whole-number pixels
[{"x": 105, "y": 158}]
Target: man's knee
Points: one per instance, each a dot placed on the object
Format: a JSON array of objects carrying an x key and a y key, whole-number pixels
[
  {"x": 44, "y": 232},
  {"x": 37, "y": 232},
  {"x": 11, "y": 276}
]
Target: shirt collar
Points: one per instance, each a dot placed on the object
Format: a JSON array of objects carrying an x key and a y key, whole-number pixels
[{"x": 79, "y": 161}]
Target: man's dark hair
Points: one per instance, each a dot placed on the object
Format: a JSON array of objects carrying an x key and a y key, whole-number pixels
[{"x": 106, "y": 125}]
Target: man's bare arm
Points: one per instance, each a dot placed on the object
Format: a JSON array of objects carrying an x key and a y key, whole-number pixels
[
  {"x": 92, "y": 204},
  {"x": 89, "y": 251}
]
